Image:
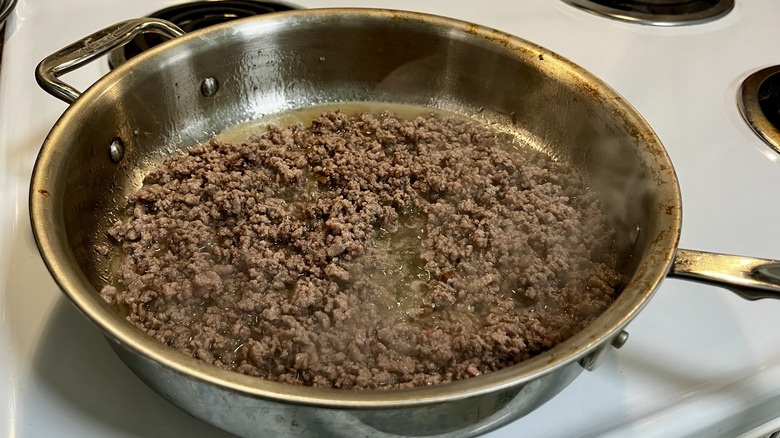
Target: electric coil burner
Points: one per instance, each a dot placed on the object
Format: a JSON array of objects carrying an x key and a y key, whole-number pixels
[
  {"x": 759, "y": 103},
  {"x": 193, "y": 16},
  {"x": 658, "y": 12}
]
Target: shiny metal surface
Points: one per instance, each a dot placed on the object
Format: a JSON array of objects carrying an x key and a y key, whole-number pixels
[
  {"x": 594, "y": 359},
  {"x": 658, "y": 12},
  {"x": 6, "y": 7},
  {"x": 116, "y": 151},
  {"x": 154, "y": 104},
  {"x": 748, "y": 277},
  {"x": 258, "y": 417},
  {"x": 89, "y": 49},
  {"x": 749, "y": 101},
  {"x": 194, "y": 15}
]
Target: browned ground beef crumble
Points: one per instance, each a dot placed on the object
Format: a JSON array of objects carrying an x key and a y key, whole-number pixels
[{"x": 363, "y": 252}]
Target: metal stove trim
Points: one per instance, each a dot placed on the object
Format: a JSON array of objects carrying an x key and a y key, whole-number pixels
[
  {"x": 684, "y": 19},
  {"x": 250, "y": 8},
  {"x": 750, "y": 108},
  {"x": 6, "y": 7}
]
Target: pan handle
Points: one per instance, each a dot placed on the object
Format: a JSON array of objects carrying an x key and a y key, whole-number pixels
[
  {"x": 86, "y": 50},
  {"x": 750, "y": 278}
]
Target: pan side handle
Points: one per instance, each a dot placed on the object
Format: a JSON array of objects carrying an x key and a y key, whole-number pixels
[
  {"x": 748, "y": 277},
  {"x": 88, "y": 49}
]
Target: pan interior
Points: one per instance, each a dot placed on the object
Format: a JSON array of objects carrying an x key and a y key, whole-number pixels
[{"x": 164, "y": 101}]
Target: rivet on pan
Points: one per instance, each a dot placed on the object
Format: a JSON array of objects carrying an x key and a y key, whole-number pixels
[
  {"x": 620, "y": 340},
  {"x": 209, "y": 87},
  {"x": 116, "y": 151}
]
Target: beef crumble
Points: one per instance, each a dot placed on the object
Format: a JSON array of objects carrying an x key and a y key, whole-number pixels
[{"x": 363, "y": 252}]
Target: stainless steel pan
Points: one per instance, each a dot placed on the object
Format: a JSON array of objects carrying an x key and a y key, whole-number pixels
[{"x": 186, "y": 90}]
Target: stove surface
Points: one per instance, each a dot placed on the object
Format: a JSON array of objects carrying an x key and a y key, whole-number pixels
[{"x": 700, "y": 361}]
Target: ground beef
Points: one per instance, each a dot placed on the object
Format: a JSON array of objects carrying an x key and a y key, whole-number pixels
[{"x": 363, "y": 252}]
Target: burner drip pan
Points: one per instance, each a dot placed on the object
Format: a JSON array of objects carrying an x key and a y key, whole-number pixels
[
  {"x": 193, "y": 16},
  {"x": 759, "y": 103},
  {"x": 658, "y": 12}
]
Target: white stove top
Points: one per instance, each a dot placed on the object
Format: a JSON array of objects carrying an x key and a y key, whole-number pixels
[{"x": 699, "y": 362}]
